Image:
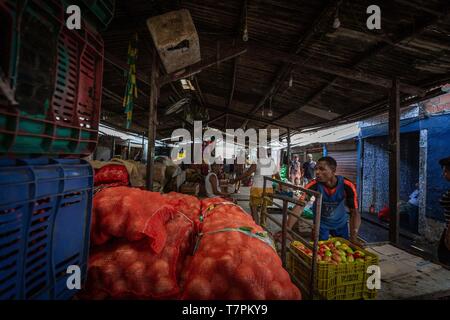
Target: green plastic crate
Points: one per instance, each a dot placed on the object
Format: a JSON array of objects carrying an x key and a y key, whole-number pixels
[
  {"x": 346, "y": 281},
  {"x": 58, "y": 85},
  {"x": 98, "y": 12}
]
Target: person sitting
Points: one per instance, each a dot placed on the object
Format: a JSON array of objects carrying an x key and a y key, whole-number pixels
[{"x": 212, "y": 183}]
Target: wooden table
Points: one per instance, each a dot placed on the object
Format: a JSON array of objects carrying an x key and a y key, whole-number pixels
[{"x": 407, "y": 276}]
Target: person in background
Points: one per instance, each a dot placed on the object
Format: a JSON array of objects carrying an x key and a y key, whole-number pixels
[
  {"x": 309, "y": 169},
  {"x": 263, "y": 167},
  {"x": 239, "y": 170},
  {"x": 339, "y": 203},
  {"x": 212, "y": 185},
  {"x": 444, "y": 244},
  {"x": 295, "y": 169}
]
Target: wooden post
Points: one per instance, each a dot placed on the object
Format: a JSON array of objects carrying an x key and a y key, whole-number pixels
[
  {"x": 113, "y": 147},
  {"x": 289, "y": 154},
  {"x": 284, "y": 232},
  {"x": 394, "y": 161},
  {"x": 143, "y": 146},
  {"x": 152, "y": 121},
  {"x": 316, "y": 230}
]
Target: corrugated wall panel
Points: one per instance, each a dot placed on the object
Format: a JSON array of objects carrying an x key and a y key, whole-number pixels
[{"x": 346, "y": 163}]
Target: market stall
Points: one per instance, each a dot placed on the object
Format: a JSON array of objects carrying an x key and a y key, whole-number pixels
[{"x": 185, "y": 76}]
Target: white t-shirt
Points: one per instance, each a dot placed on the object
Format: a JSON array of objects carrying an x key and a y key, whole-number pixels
[
  {"x": 264, "y": 168},
  {"x": 208, "y": 186}
]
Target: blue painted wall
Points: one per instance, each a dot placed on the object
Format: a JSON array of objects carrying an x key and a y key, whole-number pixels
[
  {"x": 438, "y": 127},
  {"x": 438, "y": 148},
  {"x": 375, "y": 169}
]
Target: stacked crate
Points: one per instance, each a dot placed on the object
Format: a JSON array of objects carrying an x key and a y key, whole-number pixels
[{"x": 50, "y": 97}]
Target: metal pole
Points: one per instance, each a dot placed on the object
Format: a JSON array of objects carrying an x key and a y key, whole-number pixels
[
  {"x": 129, "y": 150},
  {"x": 262, "y": 216},
  {"x": 288, "y": 153},
  {"x": 394, "y": 161},
  {"x": 284, "y": 233},
  {"x": 143, "y": 147},
  {"x": 152, "y": 121},
  {"x": 113, "y": 147},
  {"x": 316, "y": 243}
]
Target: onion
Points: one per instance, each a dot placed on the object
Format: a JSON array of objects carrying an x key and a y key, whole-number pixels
[
  {"x": 244, "y": 275},
  {"x": 234, "y": 294},
  {"x": 274, "y": 291},
  {"x": 206, "y": 266},
  {"x": 160, "y": 268},
  {"x": 110, "y": 274},
  {"x": 136, "y": 271},
  {"x": 98, "y": 295},
  {"x": 247, "y": 256},
  {"x": 199, "y": 288},
  {"x": 126, "y": 255},
  {"x": 283, "y": 276},
  {"x": 220, "y": 284},
  {"x": 227, "y": 265},
  {"x": 164, "y": 285},
  {"x": 119, "y": 287},
  {"x": 256, "y": 292}
]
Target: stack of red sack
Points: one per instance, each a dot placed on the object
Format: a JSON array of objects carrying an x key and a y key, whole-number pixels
[
  {"x": 141, "y": 241},
  {"x": 111, "y": 175},
  {"x": 234, "y": 259}
]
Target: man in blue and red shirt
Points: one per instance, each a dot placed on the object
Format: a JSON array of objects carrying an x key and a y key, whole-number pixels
[{"x": 340, "y": 215}]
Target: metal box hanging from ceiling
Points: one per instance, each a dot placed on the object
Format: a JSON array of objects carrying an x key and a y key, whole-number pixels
[{"x": 176, "y": 39}]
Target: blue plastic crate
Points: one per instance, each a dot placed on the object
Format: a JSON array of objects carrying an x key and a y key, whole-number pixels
[{"x": 45, "y": 214}]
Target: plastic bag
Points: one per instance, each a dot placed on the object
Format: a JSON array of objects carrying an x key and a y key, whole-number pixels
[
  {"x": 111, "y": 174},
  {"x": 132, "y": 214},
  {"x": 232, "y": 261},
  {"x": 129, "y": 270}
]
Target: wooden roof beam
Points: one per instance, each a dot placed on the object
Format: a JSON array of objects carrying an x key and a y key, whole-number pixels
[
  {"x": 233, "y": 82},
  {"x": 382, "y": 105},
  {"x": 223, "y": 114},
  {"x": 379, "y": 49},
  {"x": 198, "y": 91},
  {"x": 242, "y": 115},
  {"x": 113, "y": 96},
  {"x": 242, "y": 34},
  {"x": 415, "y": 5},
  {"x": 110, "y": 58},
  {"x": 363, "y": 77},
  {"x": 227, "y": 54},
  {"x": 342, "y": 72},
  {"x": 287, "y": 68}
]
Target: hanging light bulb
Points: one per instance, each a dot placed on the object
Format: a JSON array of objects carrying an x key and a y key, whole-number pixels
[
  {"x": 269, "y": 113},
  {"x": 245, "y": 35},
  {"x": 245, "y": 31},
  {"x": 290, "y": 81},
  {"x": 336, "y": 22}
]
